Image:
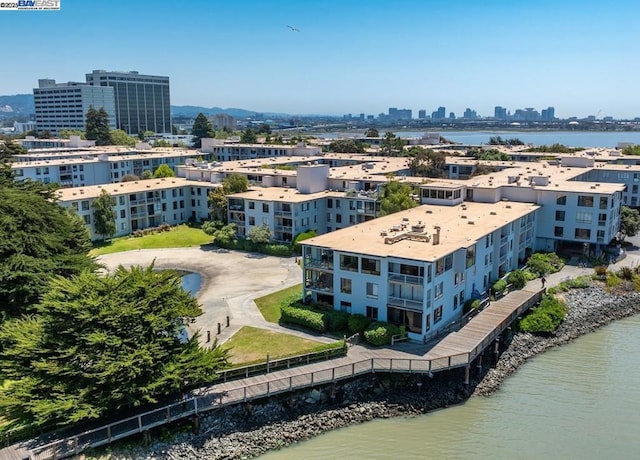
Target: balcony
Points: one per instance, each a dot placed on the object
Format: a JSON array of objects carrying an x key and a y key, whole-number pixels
[
  {"x": 319, "y": 264},
  {"x": 414, "y": 305},
  {"x": 406, "y": 279},
  {"x": 281, "y": 213},
  {"x": 319, "y": 286}
]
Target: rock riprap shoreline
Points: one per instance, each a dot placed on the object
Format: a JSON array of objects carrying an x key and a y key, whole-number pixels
[{"x": 246, "y": 431}]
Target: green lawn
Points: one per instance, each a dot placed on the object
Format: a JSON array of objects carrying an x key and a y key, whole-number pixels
[
  {"x": 179, "y": 237},
  {"x": 251, "y": 344},
  {"x": 269, "y": 305}
]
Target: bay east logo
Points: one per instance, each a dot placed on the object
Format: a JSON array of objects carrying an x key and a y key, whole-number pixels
[{"x": 30, "y": 5}]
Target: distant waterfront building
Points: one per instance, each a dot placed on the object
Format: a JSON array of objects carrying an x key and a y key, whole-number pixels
[
  {"x": 221, "y": 121},
  {"x": 470, "y": 114},
  {"x": 422, "y": 114},
  {"x": 548, "y": 114},
  {"x": 60, "y": 106},
  {"x": 439, "y": 114},
  {"x": 500, "y": 113},
  {"x": 399, "y": 114},
  {"x": 142, "y": 102}
]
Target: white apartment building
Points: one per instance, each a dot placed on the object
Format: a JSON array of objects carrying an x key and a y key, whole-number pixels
[
  {"x": 142, "y": 204},
  {"x": 60, "y": 106},
  {"x": 417, "y": 267},
  {"x": 85, "y": 170},
  {"x": 231, "y": 152}
]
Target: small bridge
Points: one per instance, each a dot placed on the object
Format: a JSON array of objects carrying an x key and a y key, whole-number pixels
[{"x": 458, "y": 349}]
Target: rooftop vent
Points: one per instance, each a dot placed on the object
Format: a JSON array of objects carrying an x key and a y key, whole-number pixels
[
  {"x": 508, "y": 206},
  {"x": 471, "y": 222},
  {"x": 492, "y": 213}
]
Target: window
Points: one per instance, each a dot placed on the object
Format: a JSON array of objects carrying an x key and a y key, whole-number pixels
[
  {"x": 330, "y": 203},
  {"x": 439, "y": 290},
  {"x": 437, "y": 314},
  {"x": 561, "y": 199},
  {"x": 600, "y": 235},
  {"x": 338, "y": 218},
  {"x": 583, "y": 217},
  {"x": 121, "y": 200},
  {"x": 585, "y": 201},
  {"x": 444, "y": 264},
  {"x": 252, "y": 205},
  {"x": 582, "y": 234},
  {"x": 372, "y": 290},
  {"x": 560, "y": 215},
  {"x": 471, "y": 256},
  {"x": 604, "y": 200},
  {"x": 85, "y": 205},
  {"x": 370, "y": 266},
  {"x": 558, "y": 232},
  {"x": 345, "y": 285},
  {"x": 410, "y": 319},
  {"x": 458, "y": 278},
  {"x": 455, "y": 302},
  {"x": 265, "y": 207},
  {"x": 372, "y": 313},
  {"x": 123, "y": 214},
  {"x": 345, "y": 306},
  {"x": 602, "y": 219},
  {"x": 252, "y": 220},
  {"x": 349, "y": 263},
  {"x": 87, "y": 219}
]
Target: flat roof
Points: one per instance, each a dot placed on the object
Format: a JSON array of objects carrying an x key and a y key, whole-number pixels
[
  {"x": 456, "y": 231},
  {"x": 81, "y": 193},
  {"x": 285, "y": 195}
]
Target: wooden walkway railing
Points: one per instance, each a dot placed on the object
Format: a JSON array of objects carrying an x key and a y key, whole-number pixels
[{"x": 287, "y": 380}]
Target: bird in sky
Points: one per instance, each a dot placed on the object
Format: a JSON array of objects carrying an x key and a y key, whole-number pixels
[{"x": 293, "y": 29}]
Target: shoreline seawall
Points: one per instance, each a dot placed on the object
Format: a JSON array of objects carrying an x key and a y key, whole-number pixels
[{"x": 247, "y": 431}]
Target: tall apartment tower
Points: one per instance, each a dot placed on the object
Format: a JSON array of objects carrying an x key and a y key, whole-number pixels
[
  {"x": 142, "y": 101},
  {"x": 60, "y": 106},
  {"x": 499, "y": 113}
]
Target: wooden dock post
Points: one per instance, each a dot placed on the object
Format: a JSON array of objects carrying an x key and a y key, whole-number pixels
[{"x": 466, "y": 374}]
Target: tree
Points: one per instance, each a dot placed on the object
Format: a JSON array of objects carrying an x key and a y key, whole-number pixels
[
  {"x": 67, "y": 133},
  {"x": 39, "y": 240},
  {"x": 264, "y": 129},
  {"x": 222, "y": 236},
  {"x": 235, "y": 183},
  {"x": 371, "y": 132},
  {"x": 391, "y": 145},
  {"x": 119, "y": 137},
  {"x": 98, "y": 344},
  {"x": 97, "y": 126},
  {"x": 396, "y": 197},
  {"x": 164, "y": 170},
  {"x": 629, "y": 221},
  {"x": 248, "y": 136},
  {"x": 346, "y": 146},
  {"x": 261, "y": 234},
  {"x": 129, "y": 178},
  {"x": 146, "y": 175},
  {"x": 9, "y": 149},
  {"x": 426, "y": 162},
  {"x": 201, "y": 129},
  {"x": 104, "y": 217},
  {"x": 160, "y": 143}
]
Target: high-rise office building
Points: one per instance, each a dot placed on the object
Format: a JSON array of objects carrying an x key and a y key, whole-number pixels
[
  {"x": 60, "y": 106},
  {"x": 469, "y": 114},
  {"x": 142, "y": 101},
  {"x": 548, "y": 114},
  {"x": 439, "y": 114},
  {"x": 422, "y": 114},
  {"x": 499, "y": 113}
]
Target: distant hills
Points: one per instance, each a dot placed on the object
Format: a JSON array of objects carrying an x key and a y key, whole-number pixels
[
  {"x": 21, "y": 105},
  {"x": 194, "y": 110},
  {"x": 16, "y": 106}
]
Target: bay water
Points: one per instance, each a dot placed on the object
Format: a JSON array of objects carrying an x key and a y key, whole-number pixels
[{"x": 578, "y": 401}]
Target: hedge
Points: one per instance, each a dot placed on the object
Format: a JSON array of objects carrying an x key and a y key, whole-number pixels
[
  {"x": 499, "y": 286},
  {"x": 358, "y": 323},
  {"x": 336, "y": 320},
  {"x": 546, "y": 317},
  {"x": 380, "y": 333},
  {"x": 303, "y": 317},
  {"x": 543, "y": 263},
  {"x": 517, "y": 278},
  {"x": 471, "y": 304}
]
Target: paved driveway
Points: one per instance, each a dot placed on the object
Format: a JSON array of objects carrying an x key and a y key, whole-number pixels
[{"x": 230, "y": 282}]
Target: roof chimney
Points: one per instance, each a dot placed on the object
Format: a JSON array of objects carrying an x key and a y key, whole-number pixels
[{"x": 436, "y": 235}]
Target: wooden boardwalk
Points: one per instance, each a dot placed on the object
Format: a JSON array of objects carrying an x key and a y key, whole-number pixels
[
  {"x": 457, "y": 349},
  {"x": 485, "y": 327}
]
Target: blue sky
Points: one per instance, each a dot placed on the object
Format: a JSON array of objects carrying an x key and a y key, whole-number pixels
[{"x": 349, "y": 56}]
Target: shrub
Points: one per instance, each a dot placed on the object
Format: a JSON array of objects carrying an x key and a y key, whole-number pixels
[
  {"x": 279, "y": 250},
  {"x": 542, "y": 263},
  {"x": 546, "y": 317},
  {"x": 529, "y": 275},
  {"x": 336, "y": 321},
  {"x": 294, "y": 314},
  {"x": 580, "y": 282},
  {"x": 471, "y": 304},
  {"x": 358, "y": 323},
  {"x": 499, "y": 286},
  {"x": 380, "y": 333},
  {"x": 601, "y": 271},
  {"x": 626, "y": 273},
  {"x": 517, "y": 279},
  {"x": 612, "y": 280}
]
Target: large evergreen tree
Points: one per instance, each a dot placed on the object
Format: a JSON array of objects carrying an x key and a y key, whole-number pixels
[
  {"x": 97, "y": 126},
  {"x": 102, "y": 343},
  {"x": 235, "y": 183},
  {"x": 38, "y": 240},
  {"x": 164, "y": 170},
  {"x": 104, "y": 217},
  {"x": 396, "y": 197},
  {"x": 201, "y": 128}
]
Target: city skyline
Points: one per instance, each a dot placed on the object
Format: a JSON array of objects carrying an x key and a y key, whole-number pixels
[{"x": 344, "y": 58}]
